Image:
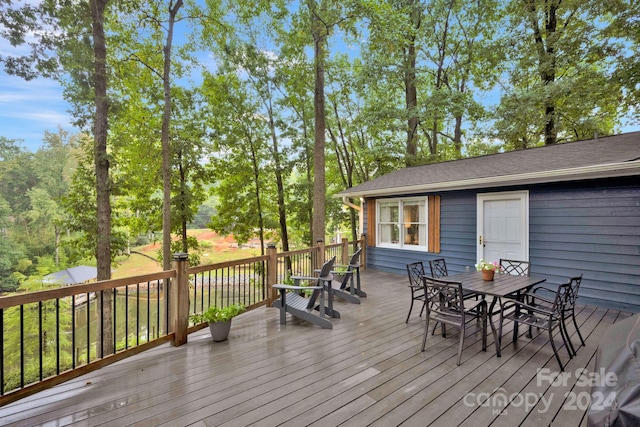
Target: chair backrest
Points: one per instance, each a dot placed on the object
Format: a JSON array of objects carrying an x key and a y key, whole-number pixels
[
  {"x": 354, "y": 262},
  {"x": 438, "y": 268},
  {"x": 444, "y": 297},
  {"x": 415, "y": 270},
  {"x": 573, "y": 286},
  {"x": 325, "y": 271},
  {"x": 560, "y": 299},
  {"x": 515, "y": 267},
  {"x": 324, "y": 276}
]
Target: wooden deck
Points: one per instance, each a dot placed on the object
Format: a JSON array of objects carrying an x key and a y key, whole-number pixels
[{"x": 368, "y": 370}]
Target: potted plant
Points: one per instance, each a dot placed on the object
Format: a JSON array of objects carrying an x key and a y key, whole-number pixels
[
  {"x": 488, "y": 269},
  {"x": 219, "y": 319}
]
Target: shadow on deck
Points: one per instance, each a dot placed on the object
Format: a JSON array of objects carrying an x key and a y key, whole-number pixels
[{"x": 368, "y": 370}]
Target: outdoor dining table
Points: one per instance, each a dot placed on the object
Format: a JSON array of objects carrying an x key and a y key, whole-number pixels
[{"x": 502, "y": 286}]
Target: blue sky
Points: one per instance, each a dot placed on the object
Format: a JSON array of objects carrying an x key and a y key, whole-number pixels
[{"x": 29, "y": 108}]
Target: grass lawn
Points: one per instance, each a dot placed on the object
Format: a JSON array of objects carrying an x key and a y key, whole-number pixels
[{"x": 213, "y": 249}]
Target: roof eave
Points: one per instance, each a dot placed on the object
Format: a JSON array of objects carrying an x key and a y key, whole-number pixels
[{"x": 559, "y": 175}]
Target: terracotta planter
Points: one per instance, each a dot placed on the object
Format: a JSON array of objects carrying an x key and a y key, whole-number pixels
[
  {"x": 220, "y": 330},
  {"x": 488, "y": 275}
]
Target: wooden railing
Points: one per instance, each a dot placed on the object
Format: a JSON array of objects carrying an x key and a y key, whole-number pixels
[{"x": 50, "y": 336}]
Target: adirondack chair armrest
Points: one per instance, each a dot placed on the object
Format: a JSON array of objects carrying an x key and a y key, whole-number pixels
[
  {"x": 294, "y": 288},
  {"x": 298, "y": 278}
]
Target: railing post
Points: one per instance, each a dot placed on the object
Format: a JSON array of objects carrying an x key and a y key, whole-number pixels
[
  {"x": 320, "y": 257},
  {"x": 363, "y": 254},
  {"x": 272, "y": 273},
  {"x": 180, "y": 299},
  {"x": 345, "y": 250}
]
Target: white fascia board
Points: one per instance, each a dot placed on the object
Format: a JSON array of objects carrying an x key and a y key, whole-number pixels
[{"x": 557, "y": 175}]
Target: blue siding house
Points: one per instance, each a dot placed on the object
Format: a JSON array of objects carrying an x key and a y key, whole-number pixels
[{"x": 569, "y": 209}]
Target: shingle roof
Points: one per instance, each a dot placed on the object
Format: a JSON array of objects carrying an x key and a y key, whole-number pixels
[
  {"x": 617, "y": 155},
  {"x": 73, "y": 275}
]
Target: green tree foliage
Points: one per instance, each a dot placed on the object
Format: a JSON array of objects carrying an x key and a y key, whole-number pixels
[
  {"x": 244, "y": 186},
  {"x": 298, "y": 101},
  {"x": 559, "y": 71}
]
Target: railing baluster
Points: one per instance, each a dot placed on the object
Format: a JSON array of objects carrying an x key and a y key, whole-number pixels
[
  {"x": 1, "y": 352},
  {"x": 137, "y": 314},
  {"x": 114, "y": 321},
  {"x": 73, "y": 332},
  {"x": 40, "y": 340},
  {"x": 126, "y": 317},
  {"x": 22, "y": 346},
  {"x": 89, "y": 328},
  {"x": 57, "y": 336},
  {"x": 148, "y": 311}
]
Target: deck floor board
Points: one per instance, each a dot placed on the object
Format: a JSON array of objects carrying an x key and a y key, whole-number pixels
[{"x": 367, "y": 370}]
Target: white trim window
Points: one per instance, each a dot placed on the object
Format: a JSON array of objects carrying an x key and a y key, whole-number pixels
[{"x": 402, "y": 223}]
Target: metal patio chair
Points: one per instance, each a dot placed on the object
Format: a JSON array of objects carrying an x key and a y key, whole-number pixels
[
  {"x": 536, "y": 313},
  {"x": 445, "y": 305},
  {"x": 515, "y": 267},
  {"x": 568, "y": 307},
  {"x": 438, "y": 268},
  {"x": 416, "y": 274}
]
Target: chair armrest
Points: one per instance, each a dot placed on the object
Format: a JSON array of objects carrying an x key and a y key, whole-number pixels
[
  {"x": 291, "y": 287},
  {"x": 521, "y": 305},
  {"x": 303, "y": 278},
  {"x": 474, "y": 305},
  {"x": 532, "y": 297},
  {"x": 542, "y": 288}
]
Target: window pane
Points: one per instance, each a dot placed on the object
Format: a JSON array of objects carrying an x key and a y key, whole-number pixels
[
  {"x": 389, "y": 233},
  {"x": 411, "y": 236},
  {"x": 388, "y": 212},
  {"x": 422, "y": 232},
  {"x": 414, "y": 211}
]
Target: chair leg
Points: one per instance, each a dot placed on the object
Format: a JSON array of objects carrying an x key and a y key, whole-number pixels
[
  {"x": 566, "y": 339},
  {"x": 424, "y": 304},
  {"x": 555, "y": 351},
  {"x": 575, "y": 324},
  {"x": 461, "y": 342},
  {"x": 410, "y": 308},
  {"x": 426, "y": 331},
  {"x": 483, "y": 311}
]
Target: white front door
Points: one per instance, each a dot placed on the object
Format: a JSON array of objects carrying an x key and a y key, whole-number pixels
[{"x": 503, "y": 226}]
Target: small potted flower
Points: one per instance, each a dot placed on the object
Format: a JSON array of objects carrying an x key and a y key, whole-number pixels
[
  {"x": 488, "y": 269},
  {"x": 219, "y": 320}
]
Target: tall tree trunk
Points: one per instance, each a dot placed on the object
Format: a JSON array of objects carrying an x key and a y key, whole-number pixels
[
  {"x": 319, "y": 39},
  {"x": 410, "y": 84},
  {"x": 256, "y": 181},
  {"x": 547, "y": 61},
  {"x": 282, "y": 212},
  {"x": 103, "y": 190},
  {"x": 411, "y": 104},
  {"x": 165, "y": 138},
  {"x": 457, "y": 136}
]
